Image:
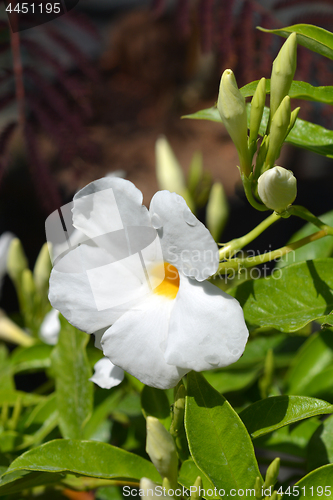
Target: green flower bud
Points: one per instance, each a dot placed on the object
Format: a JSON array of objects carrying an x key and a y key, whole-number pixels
[
  {"x": 278, "y": 132},
  {"x": 258, "y": 488},
  {"x": 284, "y": 67},
  {"x": 272, "y": 473},
  {"x": 232, "y": 108},
  {"x": 277, "y": 188},
  {"x": 148, "y": 488},
  {"x": 195, "y": 495},
  {"x": 16, "y": 261},
  {"x": 161, "y": 449},
  {"x": 217, "y": 210},
  {"x": 169, "y": 173},
  {"x": 257, "y": 109},
  {"x": 42, "y": 270}
]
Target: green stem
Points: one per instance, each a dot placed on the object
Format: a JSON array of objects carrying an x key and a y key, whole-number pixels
[
  {"x": 231, "y": 248},
  {"x": 247, "y": 183},
  {"x": 304, "y": 213},
  {"x": 239, "y": 264}
]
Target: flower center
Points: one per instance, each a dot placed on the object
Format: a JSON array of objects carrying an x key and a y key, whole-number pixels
[{"x": 170, "y": 285}]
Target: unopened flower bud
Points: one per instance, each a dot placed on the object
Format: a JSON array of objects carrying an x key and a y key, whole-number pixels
[
  {"x": 272, "y": 473},
  {"x": 277, "y": 188},
  {"x": 217, "y": 210},
  {"x": 232, "y": 108},
  {"x": 42, "y": 270},
  {"x": 16, "y": 261},
  {"x": 283, "y": 71},
  {"x": 149, "y": 489},
  {"x": 257, "y": 109},
  {"x": 161, "y": 449},
  {"x": 278, "y": 132}
]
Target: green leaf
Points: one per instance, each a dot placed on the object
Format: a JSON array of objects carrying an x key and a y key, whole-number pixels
[
  {"x": 26, "y": 399},
  {"x": 36, "y": 357},
  {"x": 317, "y": 249},
  {"x": 73, "y": 388},
  {"x": 189, "y": 473},
  {"x": 210, "y": 114},
  {"x": 316, "y": 484},
  {"x": 298, "y": 90},
  {"x": 155, "y": 403},
  {"x": 84, "y": 458},
  {"x": 289, "y": 299},
  {"x": 292, "y": 439},
  {"x": 42, "y": 420},
  {"x": 315, "y": 355},
  {"x": 103, "y": 408},
  {"x": 6, "y": 377},
  {"x": 16, "y": 482},
  {"x": 218, "y": 440},
  {"x": 272, "y": 413},
  {"x": 320, "y": 449},
  {"x": 312, "y": 37},
  {"x": 226, "y": 380}
]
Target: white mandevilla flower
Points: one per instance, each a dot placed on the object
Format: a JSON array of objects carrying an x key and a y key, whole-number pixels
[
  {"x": 277, "y": 188},
  {"x": 138, "y": 280}
]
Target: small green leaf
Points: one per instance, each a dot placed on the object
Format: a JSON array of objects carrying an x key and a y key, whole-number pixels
[
  {"x": 315, "y": 355},
  {"x": 36, "y": 357},
  {"x": 16, "y": 482},
  {"x": 84, "y": 458},
  {"x": 272, "y": 413},
  {"x": 317, "y": 484},
  {"x": 226, "y": 380},
  {"x": 188, "y": 474},
  {"x": 73, "y": 388},
  {"x": 312, "y": 37},
  {"x": 290, "y": 298},
  {"x": 320, "y": 449},
  {"x": 155, "y": 403},
  {"x": 218, "y": 440}
]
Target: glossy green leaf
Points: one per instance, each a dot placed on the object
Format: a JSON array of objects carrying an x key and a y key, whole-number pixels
[
  {"x": 320, "y": 449},
  {"x": 84, "y": 458},
  {"x": 312, "y": 37},
  {"x": 317, "y": 484},
  {"x": 289, "y": 299},
  {"x": 270, "y": 414},
  {"x": 231, "y": 380},
  {"x": 315, "y": 355},
  {"x": 292, "y": 439},
  {"x": 155, "y": 402},
  {"x": 218, "y": 440},
  {"x": 36, "y": 357},
  {"x": 16, "y": 482},
  {"x": 298, "y": 90},
  {"x": 189, "y": 473},
  {"x": 73, "y": 388}
]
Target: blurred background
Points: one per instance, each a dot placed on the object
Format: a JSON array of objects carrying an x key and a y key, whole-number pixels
[{"x": 90, "y": 92}]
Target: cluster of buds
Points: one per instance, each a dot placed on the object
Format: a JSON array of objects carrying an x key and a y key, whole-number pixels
[{"x": 274, "y": 187}]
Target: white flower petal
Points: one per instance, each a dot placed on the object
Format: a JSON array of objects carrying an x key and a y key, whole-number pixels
[
  {"x": 108, "y": 204},
  {"x": 186, "y": 242},
  {"x": 136, "y": 343},
  {"x": 50, "y": 328},
  {"x": 106, "y": 374},
  {"x": 207, "y": 328}
]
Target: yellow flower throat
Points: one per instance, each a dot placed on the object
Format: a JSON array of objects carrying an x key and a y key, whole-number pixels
[{"x": 170, "y": 285}]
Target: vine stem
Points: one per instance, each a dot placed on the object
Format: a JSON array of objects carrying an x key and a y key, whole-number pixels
[
  {"x": 239, "y": 264},
  {"x": 237, "y": 244}
]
